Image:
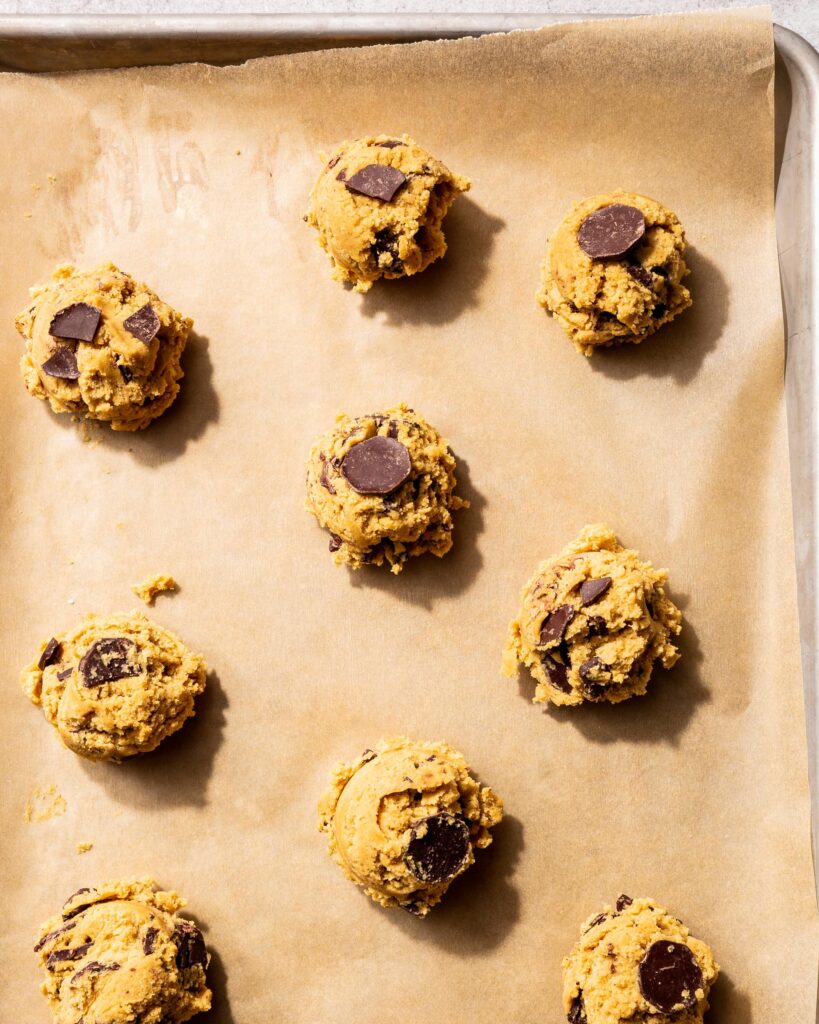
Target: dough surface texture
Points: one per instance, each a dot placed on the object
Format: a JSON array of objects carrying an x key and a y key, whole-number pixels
[
  {"x": 592, "y": 623},
  {"x": 351, "y": 492},
  {"x": 121, "y": 954},
  {"x": 378, "y": 207},
  {"x": 115, "y": 686},
  {"x": 127, "y": 371},
  {"x": 636, "y": 962},
  {"x": 404, "y": 820},
  {"x": 606, "y": 301}
]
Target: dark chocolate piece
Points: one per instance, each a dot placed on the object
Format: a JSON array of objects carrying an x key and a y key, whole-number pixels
[
  {"x": 386, "y": 241},
  {"x": 78, "y": 322},
  {"x": 335, "y": 542},
  {"x": 390, "y": 144},
  {"x": 73, "y": 953},
  {"x": 623, "y": 901},
  {"x": 611, "y": 231},
  {"x": 323, "y": 480},
  {"x": 437, "y": 848},
  {"x": 595, "y": 921},
  {"x": 62, "y": 364},
  {"x": 379, "y": 465},
  {"x": 641, "y": 274},
  {"x": 126, "y": 371},
  {"x": 51, "y": 653},
  {"x": 190, "y": 946},
  {"x": 149, "y": 941},
  {"x": 577, "y": 1014},
  {"x": 556, "y": 623},
  {"x": 64, "y": 674},
  {"x": 144, "y": 324},
  {"x": 333, "y": 161},
  {"x": 95, "y": 967},
  {"x": 659, "y": 311},
  {"x": 593, "y": 590},
  {"x": 669, "y": 976},
  {"x": 557, "y": 673},
  {"x": 378, "y": 181},
  {"x": 107, "y": 660},
  {"x": 597, "y": 625}
]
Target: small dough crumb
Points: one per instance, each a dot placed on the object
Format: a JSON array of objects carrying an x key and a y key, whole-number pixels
[
  {"x": 45, "y": 802},
  {"x": 84, "y": 847},
  {"x": 159, "y": 584}
]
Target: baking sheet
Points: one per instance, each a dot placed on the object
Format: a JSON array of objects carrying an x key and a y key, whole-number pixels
[{"x": 196, "y": 179}]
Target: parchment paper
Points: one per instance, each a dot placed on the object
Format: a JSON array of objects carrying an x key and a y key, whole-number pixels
[{"x": 196, "y": 179}]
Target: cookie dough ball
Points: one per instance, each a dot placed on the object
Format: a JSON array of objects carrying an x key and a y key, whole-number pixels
[
  {"x": 383, "y": 485},
  {"x": 405, "y": 819},
  {"x": 122, "y": 953},
  {"x": 635, "y": 962},
  {"x": 115, "y": 686},
  {"x": 593, "y": 621},
  {"x": 102, "y": 346},
  {"x": 614, "y": 270},
  {"x": 378, "y": 205}
]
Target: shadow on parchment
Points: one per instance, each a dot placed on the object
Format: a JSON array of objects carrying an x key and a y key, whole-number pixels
[
  {"x": 220, "y": 1012},
  {"x": 678, "y": 349},
  {"x": 662, "y": 714},
  {"x": 450, "y": 285},
  {"x": 426, "y": 579},
  {"x": 728, "y": 1004},
  {"x": 482, "y": 906},
  {"x": 166, "y": 438},
  {"x": 178, "y": 772}
]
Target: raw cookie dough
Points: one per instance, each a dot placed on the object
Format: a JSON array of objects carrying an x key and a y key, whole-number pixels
[
  {"x": 102, "y": 346},
  {"x": 120, "y": 954},
  {"x": 378, "y": 205},
  {"x": 383, "y": 486},
  {"x": 115, "y": 686},
  {"x": 160, "y": 583},
  {"x": 593, "y": 621},
  {"x": 405, "y": 819},
  {"x": 635, "y": 962},
  {"x": 632, "y": 290}
]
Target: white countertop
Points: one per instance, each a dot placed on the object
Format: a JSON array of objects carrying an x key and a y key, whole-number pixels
[{"x": 800, "y": 15}]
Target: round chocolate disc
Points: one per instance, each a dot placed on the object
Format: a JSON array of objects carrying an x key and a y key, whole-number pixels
[
  {"x": 669, "y": 976},
  {"x": 611, "y": 231},
  {"x": 378, "y": 465},
  {"x": 437, "y": 848},
  {"x": 107, "y": 660}
]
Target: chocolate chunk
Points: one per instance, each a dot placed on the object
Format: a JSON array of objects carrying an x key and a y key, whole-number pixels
[
  {"x": 61, "y": 955},
  {"x": 126, "y": 371},
  {"x": 89, "y": 901},
  {"x": 437, "y": 848},
  {"x": 389, "y": 144},
  {"x": 669, "y": 976},
  {"x": 378, "y": 181},
  {"x": 323, "y": 480},
  {"x": 107, "y": 660},
  {"x": 62, "y": 364},
  {"x": 144, "y": 324},
  {"x": 641, "y": 274},
  {"x": 79, "y": 322},
  {"x": 555, "y": 624},
  {"x": 577, "y": 1014},
  {"x": 190, "y": 946},
  {"x": 335, "y": 542},
  {"x": 53, "y": 935},
  {"x": 386, "y": 242},
  {"x": 611, "y": 231},
  {"x": 557, "y": 673},
  {"x": 623, "y": 901},
  {"x": 659, "y": 311},
  {"x": 593, "y": 590},
  {"x": 595, "y": 670},
  {"x": 378, "y": 465},
  {"x": 149, "y": 941},
  {"x": 64, "y": 674},
  {"x": 392, "y": 429},
  {"x": 94, "y": 967},
  {"x": 51, "y": 653},
  {"x": 597, "y": 625},
  {"x": 333, "y": 161},
  {"x": 342, "y": 175},
  {"x": 595, "y": 921}
]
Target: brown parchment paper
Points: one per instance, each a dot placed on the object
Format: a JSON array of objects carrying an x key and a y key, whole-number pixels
[{"x": 196, "y": 179}]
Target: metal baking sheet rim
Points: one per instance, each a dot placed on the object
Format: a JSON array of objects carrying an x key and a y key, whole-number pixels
[{"x": 58, "y": 43}]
